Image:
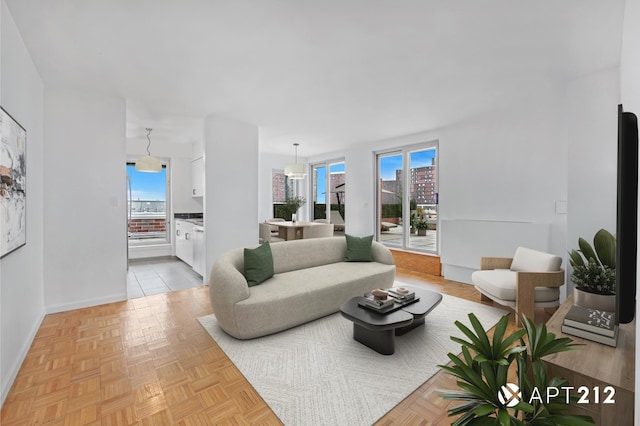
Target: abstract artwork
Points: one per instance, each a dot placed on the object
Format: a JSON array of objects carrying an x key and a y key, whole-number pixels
[{"x": 13, "y": 175}]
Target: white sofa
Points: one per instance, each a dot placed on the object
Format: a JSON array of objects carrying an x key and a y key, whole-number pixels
[{"x": 311, "y": 280}]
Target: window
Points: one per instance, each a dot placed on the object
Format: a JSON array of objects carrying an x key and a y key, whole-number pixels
[
  {"x": 407, "y": 210},
  {"x": 147, "y": 210},
  {"x": 278, "y": 187},
  {"x": 329, "y": 192},
  {"x": 282, "y": 188}
]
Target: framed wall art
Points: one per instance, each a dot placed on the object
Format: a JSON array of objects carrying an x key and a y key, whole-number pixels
[{"x": 13, "y": 191}]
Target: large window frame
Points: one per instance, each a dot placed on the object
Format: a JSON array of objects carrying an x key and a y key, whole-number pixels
[
  {"x": 401, "y": 235},
  {"x": 337, "y": 163},
  {"x": 136, "y": 212}
]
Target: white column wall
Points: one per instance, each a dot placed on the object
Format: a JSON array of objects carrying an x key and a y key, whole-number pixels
[
  {"x": 21, "y": 272},
  {"x": 231, "y": 182},
  {"x": 592, "y": 165},
  {"x": 85, "y": 183}
]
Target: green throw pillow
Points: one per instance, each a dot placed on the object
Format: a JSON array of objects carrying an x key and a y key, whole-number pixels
[
  {"x": 359, "y": 249},
  {"x": 258, "y": 264}
]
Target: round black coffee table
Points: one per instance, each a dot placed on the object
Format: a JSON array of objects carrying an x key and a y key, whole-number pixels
[{"x": 378, "y": 330}]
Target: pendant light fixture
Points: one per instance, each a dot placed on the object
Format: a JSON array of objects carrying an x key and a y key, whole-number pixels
[
  {"x": 296, "y": 171},
  {"x": 148, "y": 163}
]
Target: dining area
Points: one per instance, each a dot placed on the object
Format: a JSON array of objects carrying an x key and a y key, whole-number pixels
[{"x": 279, "y": 230}]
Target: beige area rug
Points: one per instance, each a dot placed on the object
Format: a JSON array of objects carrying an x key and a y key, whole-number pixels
[{"x": 316, "y": 374}]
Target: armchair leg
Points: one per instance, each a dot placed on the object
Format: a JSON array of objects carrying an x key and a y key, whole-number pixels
[
  {"x": 485, "y": 298},
  {"x": 525, "y": 303}
]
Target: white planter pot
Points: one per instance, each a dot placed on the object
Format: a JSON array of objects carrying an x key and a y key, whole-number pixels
[{"x": 594, "y": 301}]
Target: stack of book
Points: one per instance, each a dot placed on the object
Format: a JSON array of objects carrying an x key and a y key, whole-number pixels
[
  {"x": 401, "y": 294},
  {"x": 377, "y": 304},
  {"x": 591, "y": 324}
]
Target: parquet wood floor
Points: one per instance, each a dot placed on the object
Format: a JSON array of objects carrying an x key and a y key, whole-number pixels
[{"x": 148, "y": 361}]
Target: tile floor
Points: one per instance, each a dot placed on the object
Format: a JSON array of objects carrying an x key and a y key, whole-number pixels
[
  {"x": 393, "y": 238},
  {"x": 163, "y": 275}
]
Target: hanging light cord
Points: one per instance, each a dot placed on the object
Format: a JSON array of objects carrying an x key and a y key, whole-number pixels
[
  {"x": 149, "y": 144},
  {"x": 296, "y": 145}
]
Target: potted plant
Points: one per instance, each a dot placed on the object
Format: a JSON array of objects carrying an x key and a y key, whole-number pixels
[
  {"x": 414, "y": 220},
  {"x": 292, "y": 205},
  {"x": 594, "y": 272},
  {"x": 483, "y": 368},
  {"x": 421, "y": 226}
]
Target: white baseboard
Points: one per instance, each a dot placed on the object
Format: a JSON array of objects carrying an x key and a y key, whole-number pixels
[
  {"x": 86, "y": 303},
  {"x": 457, "y": 273},
  {"x": 15, "y": 368},
  {"x": 142, "y": 252}
]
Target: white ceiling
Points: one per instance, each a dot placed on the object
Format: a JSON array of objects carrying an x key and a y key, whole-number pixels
[{"x": 323, "y": 73}]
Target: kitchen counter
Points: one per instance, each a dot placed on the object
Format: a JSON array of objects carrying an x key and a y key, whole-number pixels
[{"x": 195, "y": 218}]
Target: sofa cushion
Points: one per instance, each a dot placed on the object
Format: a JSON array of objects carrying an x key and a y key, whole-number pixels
[
  {"x": 530, "y": 260},
  {"x": 258, "y": 264},
  {"x": 359, "y": 248},
  {"x": 501, "y": 283}
]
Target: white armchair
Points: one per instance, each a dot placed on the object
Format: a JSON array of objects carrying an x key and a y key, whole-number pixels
[
  {"x": 265, "y": 234},
  {"x": 529, "y": 280},
  {"x": 319, "y": 231}
]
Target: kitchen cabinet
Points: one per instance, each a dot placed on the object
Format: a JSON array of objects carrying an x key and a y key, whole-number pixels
[
  {"x": 197, "y": 177},
  {"x": 198, "y": 250},
  {"x": 184, "y": 241}
]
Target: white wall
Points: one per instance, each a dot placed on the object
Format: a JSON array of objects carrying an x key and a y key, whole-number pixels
[
  {"x": 630, "y": 97},
  {"x": 231, "y": 182},
  {"x": 592, "y": 165},
  {"x": 84, "y": 198},
  {"x": 21, "y": 272},
  {"x": 506, "y": 165}
]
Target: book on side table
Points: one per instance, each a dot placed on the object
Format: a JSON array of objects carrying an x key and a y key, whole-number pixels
[{"x": 591, "y": 324}]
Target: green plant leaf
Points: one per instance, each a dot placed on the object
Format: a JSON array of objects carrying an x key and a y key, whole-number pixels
[
  {"x": 484, "y": 410},
  {"x": 587, "y": 250},
  {"x": 489, "y": 374},
  {"x": 523, "y": 406},
  {"x": 498, "y": 335},
  {"x": 575, "y": 259},
  {"x": 479, "y": 342},
  {"x": 474, "y": 344},
  {"x": 513, "y": 337},
  {"x": 464, "y": 343},
  {"x": 504, "y": 417},
  {"x": 469, "y": 406},
  {"x": 502, "y": 373},
  {"x": 605, "y": 245}
]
